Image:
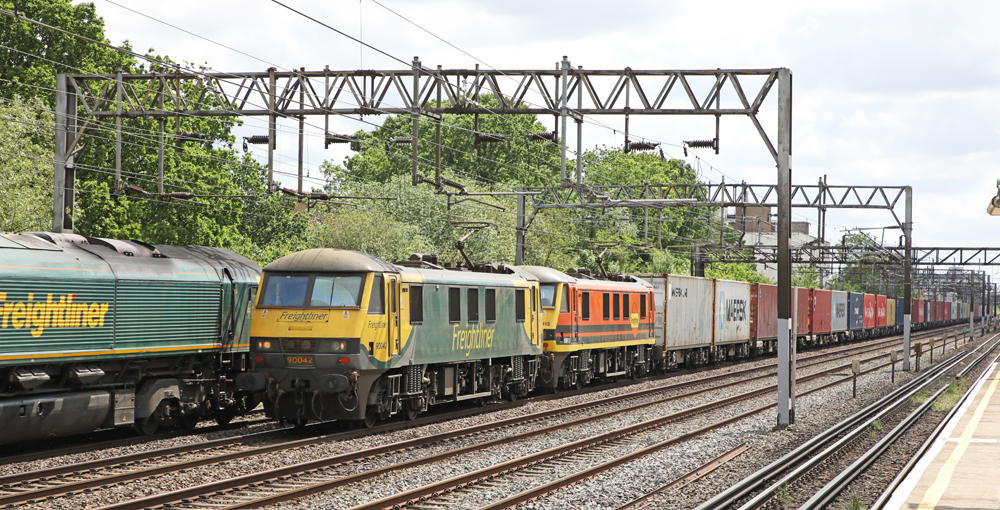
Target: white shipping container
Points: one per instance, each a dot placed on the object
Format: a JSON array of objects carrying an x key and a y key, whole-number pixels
[
  {"x": 838, "y": 311},
  {"x": 732, "y": 312},
  {"x": 689, "y": 311}
]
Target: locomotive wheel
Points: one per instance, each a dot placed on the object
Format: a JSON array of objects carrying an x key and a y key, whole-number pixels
[
  {"x": 225, "y": 415},
  {"x": 150, "y": 423},
  {"x": 410, "y": 412},
  {"x": 371, "y": 417},
  {"x": 189, "y": 421}
]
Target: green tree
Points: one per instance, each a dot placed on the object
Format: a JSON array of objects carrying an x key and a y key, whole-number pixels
[
  {"x": 38, "y": 54},
  {"x": 511, "y": 160},
  {"x": 735, "y": 271},
  {"x": 25, "y": 165}
]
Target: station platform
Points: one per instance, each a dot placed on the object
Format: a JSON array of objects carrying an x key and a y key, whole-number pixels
[{"x": 961, "y": 470}]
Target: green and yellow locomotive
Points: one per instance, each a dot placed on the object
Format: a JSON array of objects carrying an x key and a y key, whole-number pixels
[
  {"x": 342, "y": 335},
  {"x": 98, "y": 333}
]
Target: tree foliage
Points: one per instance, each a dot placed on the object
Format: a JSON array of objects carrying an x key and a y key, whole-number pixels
[{"x": 25, "y": 166}]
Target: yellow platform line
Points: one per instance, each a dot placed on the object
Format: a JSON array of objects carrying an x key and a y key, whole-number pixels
[{"x": 936, "y": 490}]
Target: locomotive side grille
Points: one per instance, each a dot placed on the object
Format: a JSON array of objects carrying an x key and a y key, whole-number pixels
[
  {"x": 518, "y": 363},
  {"x": 299, "y": 345},
  {"x": 412, "y": 379}
]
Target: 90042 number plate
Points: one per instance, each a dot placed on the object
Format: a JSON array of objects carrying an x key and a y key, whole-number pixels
[{"x": 298, "y": 361}]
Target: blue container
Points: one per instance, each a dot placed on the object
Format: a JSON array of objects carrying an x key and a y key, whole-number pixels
[
  {"x": 855, "y": 311},
  {"x": 899, "y": 311}
]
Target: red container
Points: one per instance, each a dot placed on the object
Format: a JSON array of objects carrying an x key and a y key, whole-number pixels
[
  {"x": 869, "y": 320},
  {"x": 975, "y": 311},
  {"x": 802, "y": 311},
  {"x": 763, "y": 312},
  {"x": 935, "y": 311},
  {"x": 880, "y": 311},
  {"x": 917, "y": 311},
  {"x": 822, "y": 303}
]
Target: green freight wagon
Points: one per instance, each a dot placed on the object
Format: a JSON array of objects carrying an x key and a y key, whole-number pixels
[{"x": 99, "y": 333}]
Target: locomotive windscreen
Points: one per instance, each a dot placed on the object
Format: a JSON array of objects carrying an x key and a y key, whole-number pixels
[{"x": 312, "y": 291}]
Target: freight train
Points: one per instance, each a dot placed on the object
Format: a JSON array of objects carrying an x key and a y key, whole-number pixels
[
  {"x": 99, "y": 333},
  {"x": 342, "y": 335}
]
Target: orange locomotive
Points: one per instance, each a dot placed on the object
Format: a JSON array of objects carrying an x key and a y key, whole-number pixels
[{"x": 593, "y": 329}]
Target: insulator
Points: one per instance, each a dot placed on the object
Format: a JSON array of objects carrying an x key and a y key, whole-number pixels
[
  {"x": 334, "y": 138},
  {"x": 542, "y": 137},
  {"x": 257, "y": 139},
  {"x": 403, "y": 140},
  {"x": 186, "y": 136},
  {"x": 318, "y": 196},
  {"x": 135, "y": 189},
  {"x": 640, "y": 146},
  {"x": 490, "y": 138},
  {"x": 702, "y": 144},
  {"x": 179, "y": 194}
]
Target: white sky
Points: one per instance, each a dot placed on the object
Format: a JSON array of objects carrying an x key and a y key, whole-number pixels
[{"x": 885, "y": 92}]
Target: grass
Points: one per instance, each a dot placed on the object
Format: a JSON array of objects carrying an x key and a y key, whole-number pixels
[
  {"x": 950, "y": 397},
  {"x": 854, "y": 503},
  {"x": 875, "y": 428},
  {"x": 784, "y": 494}
]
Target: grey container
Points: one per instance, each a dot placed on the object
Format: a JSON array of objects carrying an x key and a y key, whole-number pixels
[
  {"x": 855, "y": 311},
  {"x": 838, "y": 311},
  {"x": 683, "y": 310},
  {"x": 732, "y": 318}
]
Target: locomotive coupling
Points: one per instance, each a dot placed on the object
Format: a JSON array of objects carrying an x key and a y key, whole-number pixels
[
  {"x": 334, "y": 383},
  {"x": 250, "y": 381}
]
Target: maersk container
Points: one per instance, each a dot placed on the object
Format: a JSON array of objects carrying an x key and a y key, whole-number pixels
[
  {"x": 763, "y": 312},
  {"x": 732, "y": 317},
  {"x": 821, "y": 309},
  {"x": 840, "y": 304},
  {"x": 687, "y": 300},
  {"x": 890, "y": 312},
  {"x": 802, "y": 308},
  {"x": 881, "y": 311},
  {"x": 855, "y": 311},
  {"x": 869, "y": 311}
]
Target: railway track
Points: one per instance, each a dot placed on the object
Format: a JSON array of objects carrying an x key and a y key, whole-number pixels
[
  {"x": 786, "y": 481},
  {"x": 293, "y": 482},
  {"x": 82, "y": 478}
]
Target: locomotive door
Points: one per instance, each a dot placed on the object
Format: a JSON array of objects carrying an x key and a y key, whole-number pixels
[
  {"x": 392, "y": 281},
  {"x": 572, "y": 307}
]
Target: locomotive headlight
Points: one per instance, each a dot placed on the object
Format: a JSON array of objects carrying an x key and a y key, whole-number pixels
[
  {"x": 330, "y": 345},
  {"x": 266, "y": 345}
]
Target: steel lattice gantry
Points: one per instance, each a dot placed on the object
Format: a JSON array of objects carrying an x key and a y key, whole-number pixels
[{"x": 82, "y": 100}]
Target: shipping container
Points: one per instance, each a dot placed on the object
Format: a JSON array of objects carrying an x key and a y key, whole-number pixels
[
  {"x": 881, "y": 311},
  {"x": 820, "y": 313},
  {"x": 688, "y": 321},
  {"x": 855, "y": 311},
  {"x": 802, "y": 298},
  {"x": 732, "y": 317},
  {"x": 763, "y": 312},
  {"x": 869, "y": 311},
  {"x": 921, "y": 311},
  {"x": 890, "y": 312},
  {"x": 927, "y": 310},
  {"x": 840, "y": 305},
  {"x": 901, "y": 310},
  {"x": 975, "y": 311}
]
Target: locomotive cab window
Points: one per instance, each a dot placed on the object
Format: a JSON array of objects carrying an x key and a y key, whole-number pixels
[
  {"x": 585, "y": 305},
  {"x": 564, "y": 305},
  {"x": 548, "y": 295},
  {"x": 473, "y": 304},
  {"x": 519, "y": 305},
  {"x": 642, "y": 306},
  {"x": 336, "y": 291},
  {"x": 416, "y": 304},
  {"x": 454, "y": 304},
  {"x": 312, "y": 291},
  {"x": 491, "y": 305},
  {"x": 376, "y": 303}
]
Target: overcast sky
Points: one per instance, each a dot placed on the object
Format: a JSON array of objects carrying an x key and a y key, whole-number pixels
[{"x": 885, "y": 92}]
